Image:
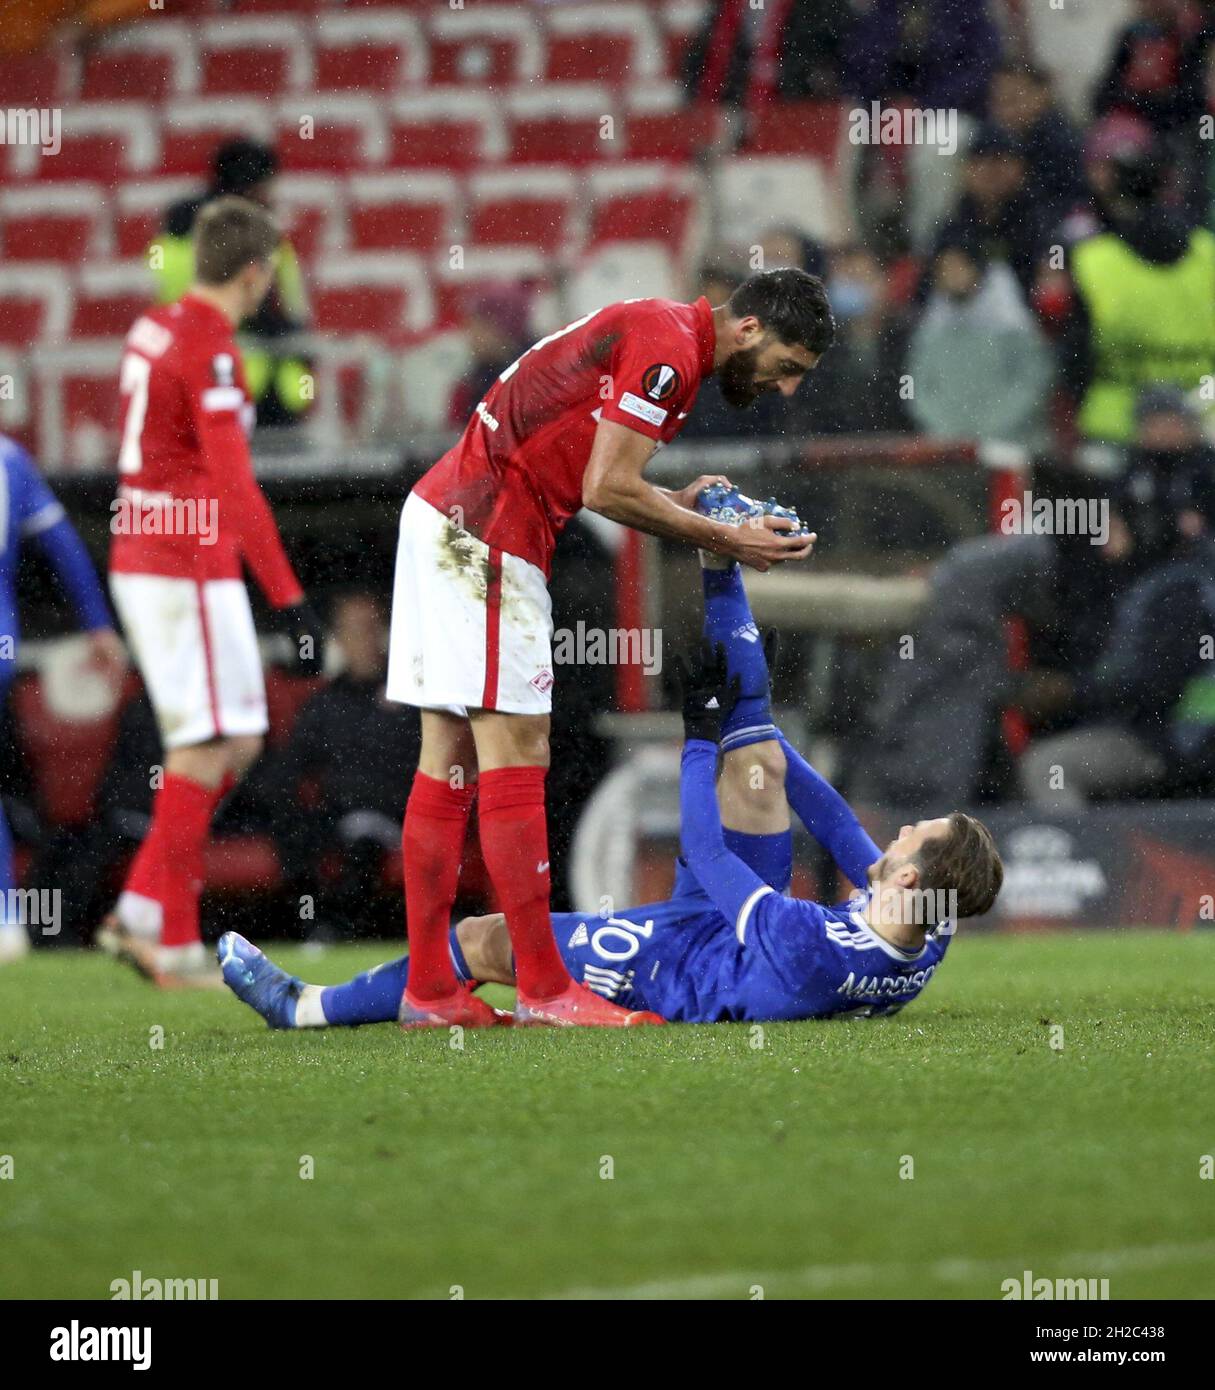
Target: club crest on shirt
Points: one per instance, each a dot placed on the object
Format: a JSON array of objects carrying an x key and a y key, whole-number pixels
[{"x": 660, "y": 382}]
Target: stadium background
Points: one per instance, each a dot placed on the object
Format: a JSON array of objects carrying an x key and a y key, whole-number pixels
[{"x": 456, "y": 181}]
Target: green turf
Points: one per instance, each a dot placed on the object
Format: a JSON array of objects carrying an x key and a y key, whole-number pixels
[{"x": 733, "y": 1165}]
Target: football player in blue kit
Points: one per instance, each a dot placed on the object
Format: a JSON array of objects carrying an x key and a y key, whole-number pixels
[{"x": 729, "y": 944}]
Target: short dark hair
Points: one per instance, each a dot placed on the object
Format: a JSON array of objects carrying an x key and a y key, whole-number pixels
[
  {"x": 240, "y": 165},
  {"x": 792, "y": 304},
  {"x": 963, "y": 860},
  {"x": 229, "y": 234}
]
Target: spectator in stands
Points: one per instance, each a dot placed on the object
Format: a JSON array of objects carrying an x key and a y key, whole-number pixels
[
  {"x": 979, "y": 364},
  {"x": 996, "y": 207},
  {"x": 1140, "y": 301},
  {"x": 937, "y": 722},
  {"x": 745, "y": 53},
  {"x": 1146, "y": 68},
  {"x": 352, "y": 752},
  {"x": 856, "y": 387},
  {"x": 1141, "y": 716},
  {"x": 933, "y": 53},
  {"x": 1023, "y": 107},
  {"x": 787, "y": 246},
  {"x": 280, "y": 384},
  {"x": 497, "y": 321}
]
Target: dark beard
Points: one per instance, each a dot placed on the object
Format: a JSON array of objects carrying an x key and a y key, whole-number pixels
[{"x": 737, "y": 378}]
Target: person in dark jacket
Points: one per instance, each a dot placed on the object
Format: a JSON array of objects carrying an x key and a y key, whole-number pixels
[{"x": 1022, "y": 106}]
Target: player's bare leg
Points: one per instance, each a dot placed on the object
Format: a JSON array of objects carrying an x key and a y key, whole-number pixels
[
  {"x": 751, "y": 789},
  {"x": 513, "y": 753},
  {"x": 432, "y": 846},
  {"x": 171, "y": 954}
]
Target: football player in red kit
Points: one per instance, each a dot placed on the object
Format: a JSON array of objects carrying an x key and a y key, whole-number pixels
[
  {"x": 188, "y": 515},
  {"x": 572, "y": 423}
]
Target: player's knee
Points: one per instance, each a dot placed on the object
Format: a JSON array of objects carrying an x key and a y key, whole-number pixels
[
  {"x": 243, "y": 752},
  {"x": 485, "y": 944}
]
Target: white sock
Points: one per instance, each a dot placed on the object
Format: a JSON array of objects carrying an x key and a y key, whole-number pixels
[
  {"x": 14, "y": 941},
  {"x": 308, "y": 1011},
  {"x": 178, "y": 960},
  {"x": 139, "y": 915}
]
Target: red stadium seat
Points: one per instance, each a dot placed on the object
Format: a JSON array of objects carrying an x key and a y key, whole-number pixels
[
  {"x": 601, "y": 43},
  {"x": 192, "y": 131},
  {"x": 485, "y": 266},
  {"x": 34, "y": 305},
  {"x": 330, "y": 134},
  {"x": 49, "y": 222},
  {"x": 484, "y": 46},
  {"x": 153, "y": 61},
  {"x": 412, "y": 211},
  {"x": 103, "y": 142},
  {"x": 35, "y": 79},
  {"x": 386, "y": 295},
  {"x": 562, "y": 124},
  {"x": 109, "y": 298},
  {"x": 445, "y": 128},
  {"x": 311, "y": 211},
  {"x": 646, "y": 202},
  {"x": 368, "y": 52},
  {"x": 679, "y": 22},
  {"x": 254, "y": 57},
  {"x": 518, "y": 207},
  {"x": 810, "y": 128},
  {"x": 140, "y": 211},
  {"x": 659, "y": 124}
]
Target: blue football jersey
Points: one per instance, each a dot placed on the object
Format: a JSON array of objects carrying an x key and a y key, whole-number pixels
[
  {"x": 27, "y": 508},
  {"x": 795, "y": 959}
]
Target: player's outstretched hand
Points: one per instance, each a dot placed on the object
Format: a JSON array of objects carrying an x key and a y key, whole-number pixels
[
  {"x": 706, "y": 691},
  {"x": 307, "y": 636},
  {"x": 761, "y": 542}
]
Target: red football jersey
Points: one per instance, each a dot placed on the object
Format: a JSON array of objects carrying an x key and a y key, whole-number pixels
[
  {"x": 515, "y": 477},
  {"x": 189, "y": 505}
]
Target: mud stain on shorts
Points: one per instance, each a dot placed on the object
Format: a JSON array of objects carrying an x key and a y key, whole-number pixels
[{"x": 463, "y": 558}]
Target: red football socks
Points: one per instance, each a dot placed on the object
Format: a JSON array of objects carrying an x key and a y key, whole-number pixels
[
  {"x": 432, "y": 846},
  {"x": 514, "y": 845}
]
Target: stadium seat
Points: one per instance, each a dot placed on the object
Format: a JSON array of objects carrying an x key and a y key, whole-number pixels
[
  {"x": 413, "y": 211},
  {"x": 85, "y": 437},
  {"x": 154, "y": 61},
  {"x": 601, "y": 43},
  {"x": 647, "y": 202},
  {"x": 140, "y": 209},
  {"x": 311, "y": 210},
  {"x": 810, "y": 128},
  {"x": 679, "y": 21},
  {"x": 445, "y": 128},
  {"x": 67, "y": 757},
  {"x": 376, "y": 52},
  {"x": 35, "y": 304},
  {"x": 484, "y": 46},
  {"x": 193, "y": 129},
  {"x": 384, "y": 294},
  {"x": 529, "y": 206},
  {"x": 50, "y": 222},
  {"x": 254, "y": 56},
  {"x": 103, "y": 142},
  {"x": 660, "y": 124},
  {"x": 109, "y": 298},
  {"x": 566, "y": 123},
  {"x": 624, "y": 270},
  {"x": 333, "y": 133},
  {"x": 36, "y": 79},
  {"x": 756, "y": 192},
  {"x": 484, "y": 266}
]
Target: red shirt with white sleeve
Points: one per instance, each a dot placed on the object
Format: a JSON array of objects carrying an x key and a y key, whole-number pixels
[
  {"x": 514, "y": 479},
  {"x": 185, "y": 415}
]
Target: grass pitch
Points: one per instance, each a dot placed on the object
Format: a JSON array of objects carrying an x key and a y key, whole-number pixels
[{"x": 677, "y": 1162}]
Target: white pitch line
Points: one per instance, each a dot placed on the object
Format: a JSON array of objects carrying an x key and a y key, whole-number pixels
[{"x": 824, "y": 1278}]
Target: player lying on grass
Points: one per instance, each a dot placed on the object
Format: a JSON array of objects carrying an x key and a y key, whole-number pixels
[{"x": 728, "y": 944}]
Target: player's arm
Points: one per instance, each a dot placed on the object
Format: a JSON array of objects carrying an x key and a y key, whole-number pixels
[
  {"x": 243, "y": 508},
  {"x": 614, "y": 486},
  {"x": 828, "y": 817}
]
